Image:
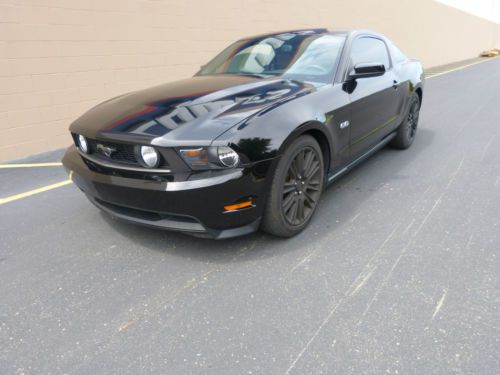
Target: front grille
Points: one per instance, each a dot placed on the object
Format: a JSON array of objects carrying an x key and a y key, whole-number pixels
[
  {"x": 127, "y": 174},
  {"x": 124, "y": 153},
  {"x": 145, "y": 215},
  {"x": 158, "y": 219}
]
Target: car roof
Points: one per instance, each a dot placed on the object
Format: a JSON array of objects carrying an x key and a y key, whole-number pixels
[
  {"x": 296, "y": 31},
  {"x": 317, "y": 31}
]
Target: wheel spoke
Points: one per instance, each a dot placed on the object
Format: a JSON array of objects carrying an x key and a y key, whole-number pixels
[
  {"x": 289, "y": 187},
  {"x": 310, "y": 200},
  {"x": 293, "y": 171},
  {"x": 300, "y": 210},
  {"x": 314, "y": 169},
  {"x": 288, "y": 202},
  {"x": 314, "y": 186},
  {"x": 293, "y": 212},
  {"x": 300, "y": 162},
  {"x": 308, "y": 161}
]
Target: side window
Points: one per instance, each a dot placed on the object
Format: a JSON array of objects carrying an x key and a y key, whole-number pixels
[{"x": 368, "y": 49}]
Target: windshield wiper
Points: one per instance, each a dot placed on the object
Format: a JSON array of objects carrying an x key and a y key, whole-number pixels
[{"x": 258, "y": 75}]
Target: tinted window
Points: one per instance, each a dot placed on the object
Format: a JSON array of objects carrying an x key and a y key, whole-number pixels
[
  {"x": 365, "y": 50},
  {"x": 304, "y": 55}
]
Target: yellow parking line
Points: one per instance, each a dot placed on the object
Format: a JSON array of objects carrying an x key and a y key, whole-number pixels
[
  {"x": 33, "y": 192},
  {"x": 6, "y": 166}
]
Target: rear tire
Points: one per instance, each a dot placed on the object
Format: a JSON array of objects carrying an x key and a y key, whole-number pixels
[
  {"x": 296, "y": 188},
  {"x": 407, "y": 130}
]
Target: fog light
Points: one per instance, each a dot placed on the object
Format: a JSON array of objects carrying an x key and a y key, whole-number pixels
[
  {"x": 82, "y": 144},
  {"x": 228, "y": 156},
  {"x": 149, "y": 156}
]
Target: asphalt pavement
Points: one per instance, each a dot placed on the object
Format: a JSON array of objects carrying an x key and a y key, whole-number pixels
[{"x": 398, "y": 272}]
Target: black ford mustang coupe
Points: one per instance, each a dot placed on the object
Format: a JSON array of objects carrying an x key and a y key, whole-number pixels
[{"x": 253, "y": 138}]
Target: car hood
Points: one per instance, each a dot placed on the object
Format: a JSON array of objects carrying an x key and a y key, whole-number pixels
[{"x": 193, "y": 110}]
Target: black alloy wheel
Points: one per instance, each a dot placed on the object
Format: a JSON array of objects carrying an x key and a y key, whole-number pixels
[
  {"x": 296, "y": 188},
  {"x": 406, "y": 132},
  {"x": 412, "y": 120},
  {"x": 301, "y": 190}
]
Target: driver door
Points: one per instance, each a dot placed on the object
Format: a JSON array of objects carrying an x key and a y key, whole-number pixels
[{"x": 374, "y": 100}]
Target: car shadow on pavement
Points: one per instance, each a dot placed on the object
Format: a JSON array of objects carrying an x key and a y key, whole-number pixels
[{"x": 344, "y": 198}]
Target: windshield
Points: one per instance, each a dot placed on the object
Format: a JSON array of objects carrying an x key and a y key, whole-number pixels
[{"x": 302, "y": 56}]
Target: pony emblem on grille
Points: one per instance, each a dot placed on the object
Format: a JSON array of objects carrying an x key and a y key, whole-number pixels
[{"x": 107, "y": 151}]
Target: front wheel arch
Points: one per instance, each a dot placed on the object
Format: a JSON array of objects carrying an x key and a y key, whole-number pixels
[{"x": 317, "y": 131}]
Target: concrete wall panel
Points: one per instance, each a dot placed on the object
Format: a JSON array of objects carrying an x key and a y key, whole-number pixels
[{"x": 59, "y": 58}]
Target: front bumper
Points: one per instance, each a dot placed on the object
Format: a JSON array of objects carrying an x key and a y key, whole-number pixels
[{"x": 194, "y": 205}]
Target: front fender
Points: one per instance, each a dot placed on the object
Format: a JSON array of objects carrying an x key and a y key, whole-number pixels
[{"x": 266, "y": 135}]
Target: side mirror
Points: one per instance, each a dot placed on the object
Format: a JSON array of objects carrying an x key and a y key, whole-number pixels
[{"x": 367, "y": 70}]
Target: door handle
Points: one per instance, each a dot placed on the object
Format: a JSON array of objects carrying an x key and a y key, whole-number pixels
[{"x": 395, "y": 84}]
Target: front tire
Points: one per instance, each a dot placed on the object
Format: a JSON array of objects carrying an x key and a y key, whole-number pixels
[
  {"x": 408, "y": 128},
  {"x": 296, "y": 188}
]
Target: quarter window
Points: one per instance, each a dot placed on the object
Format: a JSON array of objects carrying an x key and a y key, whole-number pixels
[
  {"x": 397, "y": 55},
  {"x": 366, "y": 49}
]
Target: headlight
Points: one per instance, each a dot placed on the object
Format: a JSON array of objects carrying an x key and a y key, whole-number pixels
[
  {"x": 210, "y": 157},
  {"x": 228, "y": 156},
  {"x": 82, "y": 144},
  {"x": 149, "y": 157}
]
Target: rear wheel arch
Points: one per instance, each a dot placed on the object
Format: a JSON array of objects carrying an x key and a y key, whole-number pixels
[
  {"x": 419, "y": 93},
  {"x": 405, "y": 133}
]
